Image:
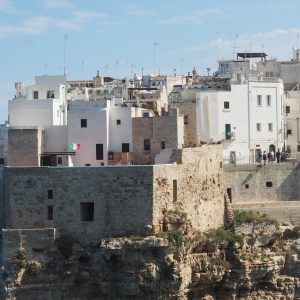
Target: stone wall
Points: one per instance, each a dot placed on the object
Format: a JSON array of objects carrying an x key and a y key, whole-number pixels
[
  {"x": 25, "y": 147},
  {"x": 157, "y": 129},
  {"x": 127, "y": 200},
  {"x": 273, "y": 182},
  {"x": 188, "y": 109}
]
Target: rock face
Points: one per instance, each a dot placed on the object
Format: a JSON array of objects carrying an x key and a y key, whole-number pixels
[{"x": 253, "y": 261}]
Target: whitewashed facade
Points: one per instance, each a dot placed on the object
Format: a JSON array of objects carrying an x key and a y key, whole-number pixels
[{"x": 248, "y": 119}]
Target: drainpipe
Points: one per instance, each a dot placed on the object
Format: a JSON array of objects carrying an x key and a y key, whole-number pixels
[
  {"x": 298, "y": 130},
  {"x": 249, "y": 121}
]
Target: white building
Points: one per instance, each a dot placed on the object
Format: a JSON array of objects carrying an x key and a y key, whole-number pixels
[
  {"x": 43, "y": 104},
  {"x": 248, "y": 119}
]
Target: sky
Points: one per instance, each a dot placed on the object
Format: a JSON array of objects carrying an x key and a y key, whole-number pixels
[{"x": 123, "y": 37}]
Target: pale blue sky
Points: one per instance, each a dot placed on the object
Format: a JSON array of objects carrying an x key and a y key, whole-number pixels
[{"x": 117, "y": 37}]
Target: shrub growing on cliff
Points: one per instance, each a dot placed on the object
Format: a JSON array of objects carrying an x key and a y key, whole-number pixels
[
  {"x": 175, "y": 237},
  {"x": 175, "y": 217},
  {"x": 251, "y": 216},
  {"x": 218, "y": 261},
  {"x": 221, "y": 235}
]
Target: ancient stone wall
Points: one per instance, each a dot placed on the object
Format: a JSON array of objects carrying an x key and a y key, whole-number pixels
[
  {"x": 188, "y": 110},
  {"x": 25, "y": 147},
  {"x": 92, "y": 203},
  {"x": 273, "y": 182},
  {"x": 167, "y": 129},
  {"x": 195, "y": 187}
]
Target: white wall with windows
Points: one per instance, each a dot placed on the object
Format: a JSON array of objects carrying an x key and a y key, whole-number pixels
[{"x": 247, "y": 119}]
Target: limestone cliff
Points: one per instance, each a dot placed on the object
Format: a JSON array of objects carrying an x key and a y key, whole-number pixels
[{"x": 253, "y": 258}]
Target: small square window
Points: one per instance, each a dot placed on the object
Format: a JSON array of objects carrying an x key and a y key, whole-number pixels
[
  {"x": 147, "y": 145},
  {"x": 145, "y": 114},
  {"x": 83, "y": 123},
  {"x": 270, "y": 127},
  {"x": 87, "y": 211},
  {"x": 258, "y": 100},
  {"x": 163, "y": 145},
  {"x": 50, "y": 94},
  {"x": 226, "y": 105},
  {"x": 186, "y": 119},
  {"x": 258, "y": 127},
  {"x": 247, "y": 186},
  {"x": 269, "y": 183},
  {"x": 50, "y": 194},
  {"x": 287, "y": 109},
  {"x": 289, "y": 131},
  {"x": 118, "y": 122}
]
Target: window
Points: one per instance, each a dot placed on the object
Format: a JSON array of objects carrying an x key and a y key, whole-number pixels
[
  {"x": 163, "y": 145},
  {"x": 35, "y": 95},
  {"x": 59, "y": 160},
  {"x": 174, "y": 190},
  {"x": 258, "y": 127},
  {"x": 289, "y": 131},
  {"x": 247, "y": 186},
  {"x": 145, "y": 114},
  {"x": 287, "y": 109},
  {"x": 99, "y": 151},
  {"x": 269, "y": 184},
  {"x": 50, "y": 94},
  {"x": 90, "y": 92},
  {"x": 268, "y": 100},
  {"x": 118, "y": 122},
  {"x": 87, "y": 165},
  {"x": 227, "y": 131},
  {"x": 186, "y": 119},
  {"x": 98, "y": 92},
  {"x": 147, "y": 145},
  {"x": 1, "y": 161},
  {"x": 50, "y": 213},
  {"x": 270, "y": 127},
  {"x": 50, "y": 194},
  {"x": 125, "y": 147},
  {"x": 229, "y": 194},
  {"x": 87, "y": 211},
  {"x": 226, "y": 105},
  {"x": 258, "y": 100},
  {"x": 298, "y": 148},
  {"x": 83, "y": 123}
]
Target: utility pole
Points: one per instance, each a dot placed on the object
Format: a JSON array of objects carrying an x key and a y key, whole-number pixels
[{"x": 65, "y": 38}]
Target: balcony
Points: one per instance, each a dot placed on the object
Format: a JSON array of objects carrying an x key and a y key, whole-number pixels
[{"x": 228, "y": 136}]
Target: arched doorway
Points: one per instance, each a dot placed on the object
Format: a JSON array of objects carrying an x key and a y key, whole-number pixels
[{"x": 272, "y": 148}]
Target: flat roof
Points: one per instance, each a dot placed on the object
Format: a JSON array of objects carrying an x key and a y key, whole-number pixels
[{"x": 251, "y": 54}]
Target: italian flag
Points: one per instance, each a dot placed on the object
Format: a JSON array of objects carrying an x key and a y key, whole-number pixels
[{"x": 74, "y": 146}]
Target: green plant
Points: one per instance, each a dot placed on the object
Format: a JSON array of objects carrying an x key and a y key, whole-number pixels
[
  {"x": 221, "y": 235},
  {"x": 34, "y": 267},
  {"x": 175, "y": 216},
  {"x": 175, "y": 237},
  {"x": 251, "y": 216},
  {"x": 218, "y": 261}
]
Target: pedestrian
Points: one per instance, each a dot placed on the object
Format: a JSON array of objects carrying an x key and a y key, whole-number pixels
[
  {"x": 269, "y": 157},
  {"x": 272, "y": 154},
  {"x": 278, "y": 156},
  {"x": 264, "y": 157}
]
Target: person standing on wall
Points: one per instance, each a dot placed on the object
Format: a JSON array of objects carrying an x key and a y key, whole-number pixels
[
  {"x": 278, "y": 156},
  {"x": 264, "y": 157}
]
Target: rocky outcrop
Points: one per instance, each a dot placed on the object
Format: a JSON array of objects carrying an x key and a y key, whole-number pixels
[{"x": 241, "y": 261}]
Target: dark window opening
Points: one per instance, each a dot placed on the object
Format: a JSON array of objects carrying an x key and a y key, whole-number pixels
[
  {"x": 87, "y": 165},
  {"x": 269, "y": 183},
  {"x": 287, "y": 109},
  {"x": 227, "y": 131},
  {"x": 145, "y": 114},
  {"x": 163, "y": 145},
  {"x": 289, "y": 131},
  {"x": 59, "y": 160},
  {"x": 147, "y": 145},
  {"x": 186, "y": 119},
  {"x": 87, "y": 211},
  {"x": 102, "y": 164},
  {"x": 99, "y": 151},
  {"x": 174, "y": 190},
  {"x": 35, "y": 95},
  {"x": 298, "y": 148},
  {"x": 229, "y": 194},
  {"x": 50, "y": 194},
  {"x": 125, "y": 147},
  {"x": 50, "y": 94},
  {"x": 226, "y": 104},
  {"x": 1, "y": 161},
  {"x": 221, "y": 165},
  {"x": 118, "y": 122},
  {"x": 247, "y": 186},
  {"x": 83, "y": 123},
  {"x": 50, "y": 213}
]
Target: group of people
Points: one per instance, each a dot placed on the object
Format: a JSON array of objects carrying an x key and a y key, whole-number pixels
[{"x": 271, "y": 156}]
